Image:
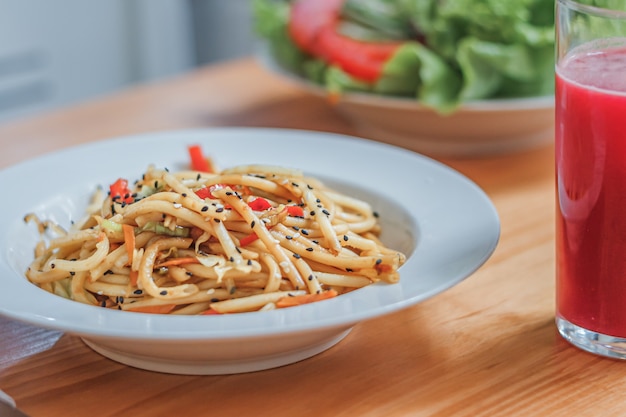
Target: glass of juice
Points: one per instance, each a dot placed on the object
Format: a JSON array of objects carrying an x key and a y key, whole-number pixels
[{"x": 590, "y": 149}]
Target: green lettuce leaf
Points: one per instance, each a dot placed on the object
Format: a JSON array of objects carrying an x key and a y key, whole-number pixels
[{"x": 455, "y": 50}]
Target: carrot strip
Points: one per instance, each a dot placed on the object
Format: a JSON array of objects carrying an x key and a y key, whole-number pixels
[
  {"x": 178, "y": 261},
  {"x": 209, "y": 312},
  {"x": 129, "y": 239},
  {"x": 305, "y": 299},
  {"x": 162, "y": 309},
  {"x": 133, "y": 278}
]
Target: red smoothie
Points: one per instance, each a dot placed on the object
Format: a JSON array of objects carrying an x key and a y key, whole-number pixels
[{"x": 591, "y": 190}]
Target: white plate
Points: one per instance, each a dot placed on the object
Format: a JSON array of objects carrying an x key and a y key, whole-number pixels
[
  {"x": 476, "y": 128},
  {"x": 443, "y": 222}
]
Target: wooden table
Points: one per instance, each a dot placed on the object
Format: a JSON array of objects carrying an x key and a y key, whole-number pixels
[{"x": 486, "y": 347}]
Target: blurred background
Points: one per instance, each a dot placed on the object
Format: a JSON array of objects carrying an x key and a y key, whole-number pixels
[{"x": 61, "y": 52}]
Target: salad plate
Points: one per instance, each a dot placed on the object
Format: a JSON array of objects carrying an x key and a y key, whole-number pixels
[
  {"x": 440, "y": 78},
  {"x": 475, "y": 128},
  {"x": 443, "y": 222}
]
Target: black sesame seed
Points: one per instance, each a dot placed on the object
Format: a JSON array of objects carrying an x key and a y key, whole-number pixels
[
  {"x": 184, "y": 194},
  {"x": 252, "y": 224},
  {"x": 72, "y": 273},
  {"x": 249, "y": 262},
  {"x": 52, "y": 266},
  {"x": 312, "y": 212},
  {"x": 349, "y": 269},
  {"x": 295, "y": 255},
  {"x": 214, "y": 300},
  {"x": 288, "y": 237},
  {"x": 229, "y": 193},
  {"x": 375, "y": 214},
  {"x": 217, "y": 220},
  {"x": 304, "y": 232},
  {"x": 326, "y": 212},
  {"x": 204, "y": 208},
  {"x": 231, "y": 259},
  {"x": 219, "y": 209},
  {"x": 138, "y": 292},
  {"x": 310, "y": 277},
  {"x": 164, "y": 292},
  {"x": 345, "y": 238},
  {"x": 309, "y": 249},
  {"x": 198, "y": 177},
  {"x": 379, "y": 261}
]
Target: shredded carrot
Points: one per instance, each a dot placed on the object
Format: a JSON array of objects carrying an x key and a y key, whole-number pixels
[
  {"x": 178, "y": 261},
  {"x": 209, "y": 312},
  {"x": 297, "y": 300},
  {"x": 134, "y": 275},
  {"x": 162, "y": 309},
  {"x": 129, "y": 239}
]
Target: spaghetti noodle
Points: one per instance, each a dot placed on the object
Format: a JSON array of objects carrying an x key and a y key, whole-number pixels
[{"x": 243, "y": 239}]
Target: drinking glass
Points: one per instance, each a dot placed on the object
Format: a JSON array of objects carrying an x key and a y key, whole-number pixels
[{"x": 590, "y": 101}]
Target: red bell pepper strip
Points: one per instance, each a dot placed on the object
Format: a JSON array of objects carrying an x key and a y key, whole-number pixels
[
  {"x": 207, "y": 192},
  {"x": 295, "y": 211},
  {"x": 198, "y": 161},
  {"x": 120, "y": 192},
  {"x": 248, "y": 239},
  {"x": 259, "y": 204}
]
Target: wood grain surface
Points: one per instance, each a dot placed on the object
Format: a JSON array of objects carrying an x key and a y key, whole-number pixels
[{"x": 486, "y": 347}]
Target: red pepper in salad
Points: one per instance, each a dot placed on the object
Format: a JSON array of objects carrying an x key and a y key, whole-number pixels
[{"x": 313, "y": 27}]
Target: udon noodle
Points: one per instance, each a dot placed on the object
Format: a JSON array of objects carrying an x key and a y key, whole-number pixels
[{"x": 247, "y": 238}]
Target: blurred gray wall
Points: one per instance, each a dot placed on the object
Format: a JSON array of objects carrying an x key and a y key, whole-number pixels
[
  {"x": 60, "y": 52},
  {"x": 222, "y": 29}
]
